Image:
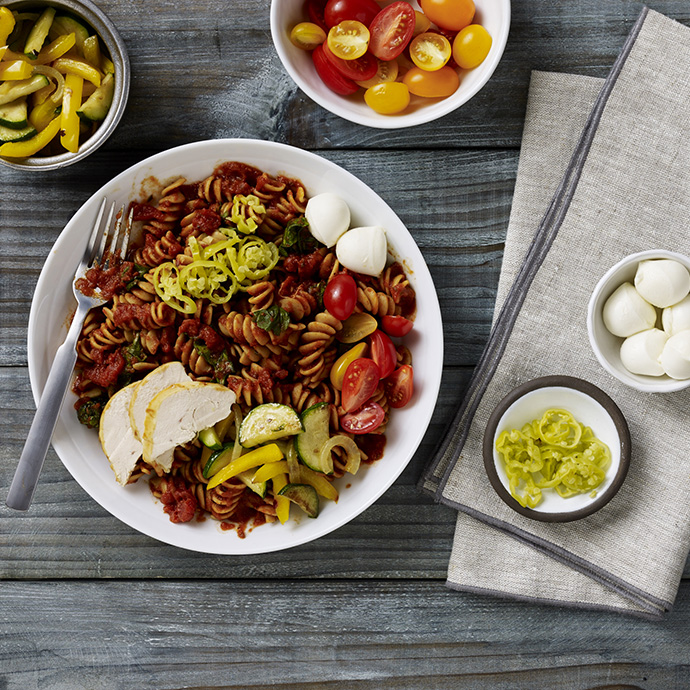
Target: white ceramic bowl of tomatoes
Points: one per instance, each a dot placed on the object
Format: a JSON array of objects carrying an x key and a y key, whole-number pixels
[{"x": 390, "y": 63}]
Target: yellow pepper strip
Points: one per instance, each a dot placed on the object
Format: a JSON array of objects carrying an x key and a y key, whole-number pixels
[
  {"x": 69, "y": 120},
  {"x": 13, "y": 55},
  {"x": 13, "y": 71},
  {"x": 107, "y": 66},
  {"x": 68, "y": 65},
  {"x": 6, "y": 24},
  {"x": 56, "y": 49},
  {"x": 343, "y": 362},
  {"x": 260, "y": 456},
  {"x": 282, "y": 502},
  {"x": 2, "y": 51},
  {"x": 92, "y": 51},
  {"x": 24, "y": 149},
  {"x": 323, "y": 487},
  {"x": 41, "y": 116},
  {"x": 270, "y": 470}
]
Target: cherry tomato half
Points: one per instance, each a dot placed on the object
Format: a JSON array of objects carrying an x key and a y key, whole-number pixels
[
  {"x": 399, "y": 386},
  {"x": 362, "y": 68},
  {"x": 315, "y": 10},
  {"x": 386, "y": 71},
  {"x": 387, "y": 98},
  {"x": 360, "y": 10},
  {"x": 397, "y": 326},
  {"x": 449, "y": 14},
  {"x": 330, "y": 75},
  {"x": 439, "y": 84},
  {"x": 307, "y": 35},
  {"x": 364, "y": 421},
  {"x": 471, "y": 46},
  {"x": 391, "y": 30},
  {"x": 348, "y": 40},
  {"x": 360, "y": 382},
  {"x": 383, "y": 353},
  {"x": 430, "y": 51},
  {"x": 340, "y": 296}
]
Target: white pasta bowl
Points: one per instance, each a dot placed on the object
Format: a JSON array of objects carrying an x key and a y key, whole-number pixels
[
  {"x": 494, "y": 15},
  {"x": 591, "y": 407},
  {"x": 78, "y": 447}
]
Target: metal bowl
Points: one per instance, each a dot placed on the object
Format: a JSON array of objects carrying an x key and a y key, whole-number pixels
[{"x": 99, "y": 22}]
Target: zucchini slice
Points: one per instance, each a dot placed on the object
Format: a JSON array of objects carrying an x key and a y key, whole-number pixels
[
  {"x": 269, "y": 422},
  {"x": 210, "y": 439},
  {"x": 309, "y": 443},
  {"x": 98, "y": 103},
  {"x": 259, "y": 488},
  {"x": 14, "y": 114},
  {"x": 67, "y": 24},
  {"x": 10, "y": 134},
  {"x": 304, "y": 496},
  {"x": 218, "y": 460},
  {"x": 39, "y": 32},
  {"x": 12, "y": 90}
]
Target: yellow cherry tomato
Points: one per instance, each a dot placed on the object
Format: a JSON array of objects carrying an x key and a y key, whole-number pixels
[
  {"x": 343, "y": 362},
  {"x": 387, "y": 71},
  {"x": 471, "y": 46},
  {"x": 430, "y": 51},
  {"x": 348, "y": 40},
  {"x": 421, "y": 23},
  {"x": 307, "y": 36},
  {"x": 439, "y": 84},
  {"x": 449, "y": 14},
  {"x": 388, "y": 98}
]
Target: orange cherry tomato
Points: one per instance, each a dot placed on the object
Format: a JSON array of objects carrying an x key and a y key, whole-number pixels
[
  {"x": 307, "y": 35},
  {"x": 387, "y": 98},
  {"x": 439, "y": 84},
  {"x": 430, "y": 51},
  {"x": 449, "y": 14},
  {"x": 348, "y": 40},
  {"x": 471, "y": 46}
]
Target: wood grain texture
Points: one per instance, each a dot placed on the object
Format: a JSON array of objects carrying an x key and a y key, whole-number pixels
[
  {"x": 86, "y": 602},
  {"x": 337, "y": 635}
]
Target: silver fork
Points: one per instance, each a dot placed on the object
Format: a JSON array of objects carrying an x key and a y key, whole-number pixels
[{"x": 41, "y": 431}]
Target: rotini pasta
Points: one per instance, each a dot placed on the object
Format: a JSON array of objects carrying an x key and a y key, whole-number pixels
[{"x": 271, "y": 340}]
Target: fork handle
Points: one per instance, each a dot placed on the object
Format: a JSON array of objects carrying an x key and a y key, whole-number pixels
[{"x": 36, "y": 446}]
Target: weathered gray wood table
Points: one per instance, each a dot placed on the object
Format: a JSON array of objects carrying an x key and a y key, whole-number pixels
[{"x": 87, "y": 602}]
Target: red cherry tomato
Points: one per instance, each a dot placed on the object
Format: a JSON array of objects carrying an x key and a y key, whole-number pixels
[
  {"x": 359, "y": 69},
  {"x": 391, "y": 30},
  {"x": 340, "y": 296},
  {"x": 399, "y": 386},
  {"x": 360, "y": 382},
  {"x": 315, "y": 10},
  {"x": 383, "y": 352},
  {"x": 363, "y": 421},
  {"x": 360, "y": 10},
  {"x": 330, "y": 75},
  {"x": 397, "y": 326}
]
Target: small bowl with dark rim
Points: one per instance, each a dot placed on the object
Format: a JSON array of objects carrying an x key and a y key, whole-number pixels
[{"x": 591, "y": 407}]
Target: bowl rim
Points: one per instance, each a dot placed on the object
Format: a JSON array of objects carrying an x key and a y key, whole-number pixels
[
  {"x": 588, "y": 389},
  {"x": 109, "y": 34},
  {"x": 654, "y": 384},
  {"x": 394, "y": 121}
]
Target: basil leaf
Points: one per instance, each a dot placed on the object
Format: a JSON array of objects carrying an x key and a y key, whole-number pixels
[
  {"x": 274, "y": 319},
  {"x": 297, "y": 239}
]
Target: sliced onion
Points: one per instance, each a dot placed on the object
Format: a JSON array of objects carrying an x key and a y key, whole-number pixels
[
  {"x": 59, "y": 79},
  {"x": 349, "y": 446}
]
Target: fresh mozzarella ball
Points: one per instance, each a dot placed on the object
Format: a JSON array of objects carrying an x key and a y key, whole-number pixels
[
  {"x": 640, "y": 352},
  {"x": 662, "y": 282},
  {"x": 626, "y": 312},
  {"x": 676, "y": 318},
  {"x": 328, "y": 216},
  {"x": 675, "y": 357},
  {"x": 363, "y": 250}
]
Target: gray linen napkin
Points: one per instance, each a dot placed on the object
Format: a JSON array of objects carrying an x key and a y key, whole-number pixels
[{"x": 604, "y": 172}]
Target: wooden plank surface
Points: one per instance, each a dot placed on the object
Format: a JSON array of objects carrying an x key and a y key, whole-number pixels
[
  {"x": 336, "y": 635},
  {"x": 87, "y": 602}
]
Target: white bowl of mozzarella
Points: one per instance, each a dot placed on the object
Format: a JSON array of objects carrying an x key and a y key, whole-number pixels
[{"x": 638, "y": 321}]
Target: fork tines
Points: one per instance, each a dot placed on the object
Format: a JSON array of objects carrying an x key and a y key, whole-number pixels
[{"x": 116, "y": 248}]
